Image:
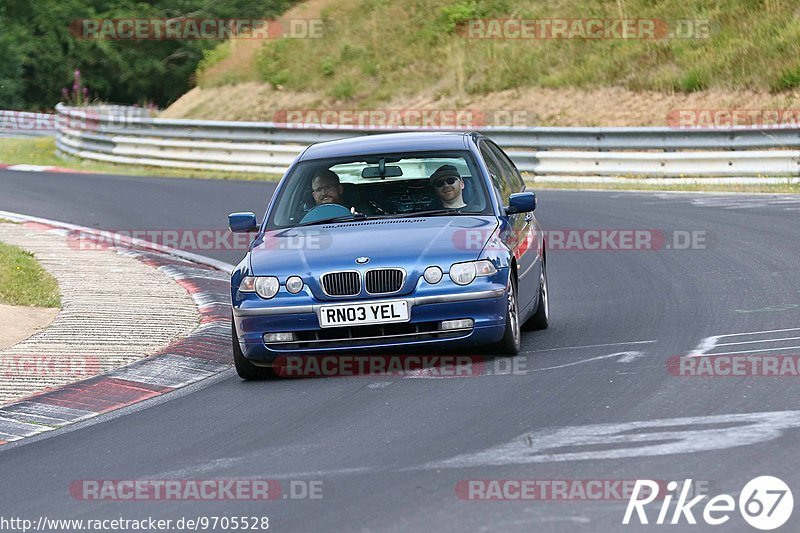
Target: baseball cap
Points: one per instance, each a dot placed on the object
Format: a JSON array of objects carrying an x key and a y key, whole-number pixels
[{"x": 445, "y": 171}]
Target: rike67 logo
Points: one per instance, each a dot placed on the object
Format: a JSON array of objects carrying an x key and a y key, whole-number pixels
[{"x": 765, "y": 503}]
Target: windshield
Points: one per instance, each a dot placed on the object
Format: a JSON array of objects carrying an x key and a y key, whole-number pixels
[{"x": 380, "y": 186}]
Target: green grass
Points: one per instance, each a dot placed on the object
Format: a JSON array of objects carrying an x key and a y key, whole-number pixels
[
  {"x": 374, "y": 50},
  {"x": 41, "y": 151},
  {"x": 23, "y": 281}
]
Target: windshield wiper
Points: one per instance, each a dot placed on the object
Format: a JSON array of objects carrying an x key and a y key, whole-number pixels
[{"x": 341, "y": 218}]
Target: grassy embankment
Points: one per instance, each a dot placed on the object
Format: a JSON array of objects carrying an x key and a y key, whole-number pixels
[
  {"x": 373, "y": 51},
  {"x": 23, "y": 281}
]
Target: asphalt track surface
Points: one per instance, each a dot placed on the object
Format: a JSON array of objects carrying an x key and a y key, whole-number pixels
[{"x": 384, "y": 447}]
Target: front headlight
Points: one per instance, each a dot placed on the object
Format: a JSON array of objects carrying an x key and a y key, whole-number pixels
[
  {"x": 267, "y": 287},
  {"x": 465, "y": 273}
]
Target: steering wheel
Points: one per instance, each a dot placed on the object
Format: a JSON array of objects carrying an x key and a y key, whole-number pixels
[{"x": 323, "y": 211}]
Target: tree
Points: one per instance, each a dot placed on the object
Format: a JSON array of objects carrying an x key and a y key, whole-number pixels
[{"x": 40, "y": 52}]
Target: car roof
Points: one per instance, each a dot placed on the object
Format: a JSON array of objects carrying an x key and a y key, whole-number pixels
[{"x": 388, "y": 143}]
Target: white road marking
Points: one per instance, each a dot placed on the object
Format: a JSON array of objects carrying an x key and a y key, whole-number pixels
[
  {"x": 532, "y": 521},
  {"x": 761, "y": 350},
  {"x": 631, "y": 439},
  {"x": 511, "y": 370},
  {"x": 746, "y": 202},
  {"x": 221, "y": 465},
  {"x": 624, "y": 357},
  {"x": 705, "y": 345},
  {"x": 709, "y": 343},
  {"x": 630, "y": 357},
  {"x": 757, "y": 341},
  {"x": 759, "y": 332},
  {"x": 589, "y": 346}
]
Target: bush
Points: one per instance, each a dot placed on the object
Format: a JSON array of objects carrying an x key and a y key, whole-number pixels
[
  {"x": 788, "y": 79},
  {"x": 272, "y": 64},
  {"x": 327, "y": 68},
  {"x": 344, "y": 89}
]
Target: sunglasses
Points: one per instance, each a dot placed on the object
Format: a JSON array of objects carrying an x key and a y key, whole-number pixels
[{"x": 440, "y": 183}]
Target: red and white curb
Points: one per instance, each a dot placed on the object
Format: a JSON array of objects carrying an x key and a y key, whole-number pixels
[
  {"x": 203, "y": 353},
  {"x": 115, "y": 311}
]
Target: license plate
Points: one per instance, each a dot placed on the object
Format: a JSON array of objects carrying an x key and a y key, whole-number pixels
[{"x": 331, "y": 316}]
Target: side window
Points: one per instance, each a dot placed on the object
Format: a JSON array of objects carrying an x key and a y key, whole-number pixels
[
  {"x": 509, "y": 170},
  {"x": 499, "y": 181}
]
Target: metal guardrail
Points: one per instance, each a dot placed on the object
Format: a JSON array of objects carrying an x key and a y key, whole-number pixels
[{"x": 128, "y": 136}]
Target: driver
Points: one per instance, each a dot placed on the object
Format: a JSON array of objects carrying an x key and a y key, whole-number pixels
[{"x": 326, "y": 188}]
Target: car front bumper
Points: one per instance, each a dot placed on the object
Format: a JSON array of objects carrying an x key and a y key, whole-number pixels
[{"x": 485, "y": 305}]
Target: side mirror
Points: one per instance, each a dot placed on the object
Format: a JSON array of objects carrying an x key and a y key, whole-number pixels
[
  {"x": 521, "y": 202},
  {"x": 242, "y": 222}
]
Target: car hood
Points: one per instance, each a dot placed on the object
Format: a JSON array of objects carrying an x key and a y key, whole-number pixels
[{"x": 409, "y": 243}]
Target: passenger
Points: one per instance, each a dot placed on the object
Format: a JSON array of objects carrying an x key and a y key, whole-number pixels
[{"x": 449, "y": 187}]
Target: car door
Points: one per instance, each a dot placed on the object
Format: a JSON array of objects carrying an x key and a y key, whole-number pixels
[{"x": 523, "y": 237}]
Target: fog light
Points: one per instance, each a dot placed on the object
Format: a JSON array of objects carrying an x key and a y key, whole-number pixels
[
  {"x": 294, "y": 284},
  {"x": 279, "y": 337},
  {"x": 433, "y": 275},
  {"x": 464, "y": 323}
]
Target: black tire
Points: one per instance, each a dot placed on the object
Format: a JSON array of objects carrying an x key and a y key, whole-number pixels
[
  {"x": 511, "y": 342},
  {"x": 541, "y": 318},
  {"x": 246, "y": 370}
]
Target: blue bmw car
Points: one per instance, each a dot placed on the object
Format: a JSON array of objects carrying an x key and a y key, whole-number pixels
[{"x": 390, "y": 241}]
